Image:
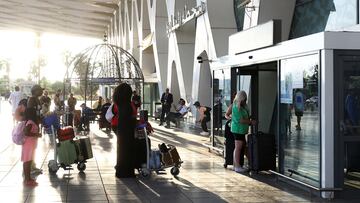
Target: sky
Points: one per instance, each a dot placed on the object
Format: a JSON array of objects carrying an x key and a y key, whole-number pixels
[{"x": 20, "y": 49}]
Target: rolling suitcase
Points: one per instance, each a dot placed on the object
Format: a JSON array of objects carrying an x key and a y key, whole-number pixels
[
  {"x": 66, "y": 152},
  {"x": 84, "y": 148},
  {"x": 261, "y": 151},
  {"x": 229, "y": 145}
]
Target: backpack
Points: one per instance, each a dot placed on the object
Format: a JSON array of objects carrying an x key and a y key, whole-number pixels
[{"x": 18, "y": 135}]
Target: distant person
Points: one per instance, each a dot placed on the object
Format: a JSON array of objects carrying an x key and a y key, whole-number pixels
[
  {"x": 288, "y": 118},
  {"x": 299, "y": 107},
  {"x": 205, "y": 117},
  {"x": 14, "y": 99},
  {"x": 87, "y": 114},
  {"x": 351, "y": 108},
  {"x": 57, "y": 101},
  {"x": 32, "y": 133},
  {"x": 136, "y": 99},
  {"x": 166, "y": 101},
  {"x": 45, "y": 102},
  {"x": 181, "y": 110},
  {"x": 71, "y": 102},
  {"x": 98, "y": 104}
]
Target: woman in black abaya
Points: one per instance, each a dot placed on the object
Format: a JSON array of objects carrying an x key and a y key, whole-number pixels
[{"x": 125, "y": 162}]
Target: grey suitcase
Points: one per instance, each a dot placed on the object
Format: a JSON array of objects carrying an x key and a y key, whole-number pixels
[{"x": 84, "y": 148}]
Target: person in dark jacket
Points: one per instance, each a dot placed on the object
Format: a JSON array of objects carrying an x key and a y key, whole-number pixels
[
  {"x": 125, "y": 160},
  {"x": 166, "y": 101}
]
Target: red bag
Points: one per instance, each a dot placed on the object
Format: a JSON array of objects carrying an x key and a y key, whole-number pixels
[{"x": 66, "y": 133}]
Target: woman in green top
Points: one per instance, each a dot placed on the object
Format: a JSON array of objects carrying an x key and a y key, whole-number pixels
[{"x": 240, "y": 121}]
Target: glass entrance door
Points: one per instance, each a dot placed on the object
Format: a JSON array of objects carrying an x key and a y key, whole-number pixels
[{"x": 347, "y": 119}]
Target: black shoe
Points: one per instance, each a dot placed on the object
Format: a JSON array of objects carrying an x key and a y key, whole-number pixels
[
  {"x": 160, "y": 124},
  {"x": 167, "y": 126}
]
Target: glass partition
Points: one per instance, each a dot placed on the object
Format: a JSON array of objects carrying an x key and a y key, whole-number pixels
[
  {"x": 299, "y": 118},
  {"x": 221, "y": 101}
]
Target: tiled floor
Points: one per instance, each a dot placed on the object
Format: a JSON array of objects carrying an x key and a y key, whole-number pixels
[{"x": 202, "y": 177}]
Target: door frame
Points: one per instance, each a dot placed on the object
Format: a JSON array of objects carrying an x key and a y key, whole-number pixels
[
  {"x": 254, "y": 73},
  {"x": 341, "y": 56}
]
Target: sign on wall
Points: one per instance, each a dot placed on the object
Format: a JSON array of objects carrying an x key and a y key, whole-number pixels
[{"x": 185, "y": 16}]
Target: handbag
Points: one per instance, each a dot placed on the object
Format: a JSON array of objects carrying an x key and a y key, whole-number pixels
[{"x": 109, "y": 113}]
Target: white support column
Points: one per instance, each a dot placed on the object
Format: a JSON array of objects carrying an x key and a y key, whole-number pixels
[{"x": 327, "y": 121}]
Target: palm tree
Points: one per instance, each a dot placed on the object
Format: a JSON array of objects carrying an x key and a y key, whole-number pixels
[{"x": 5, "y": 80}]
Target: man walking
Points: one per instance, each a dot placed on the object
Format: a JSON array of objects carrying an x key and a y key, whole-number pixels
[{"x": 166, "y": 101}]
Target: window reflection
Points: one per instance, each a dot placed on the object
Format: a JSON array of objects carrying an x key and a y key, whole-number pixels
[
  {"x": 300, "y": 118},
  {"x": 222, "y": 89},
  {"x": 317, "y": 16}
]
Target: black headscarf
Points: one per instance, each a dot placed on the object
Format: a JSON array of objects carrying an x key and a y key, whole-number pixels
[{"x": 122, "y": 98}]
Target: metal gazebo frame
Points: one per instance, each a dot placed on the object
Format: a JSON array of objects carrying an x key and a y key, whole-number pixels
[{"x": 103, "y": 64}]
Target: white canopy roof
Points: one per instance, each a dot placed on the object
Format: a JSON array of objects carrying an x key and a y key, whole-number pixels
[{"x": 88, "y": 18}]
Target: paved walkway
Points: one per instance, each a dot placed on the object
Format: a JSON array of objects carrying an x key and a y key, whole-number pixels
[{"x": 202, "y": 177}]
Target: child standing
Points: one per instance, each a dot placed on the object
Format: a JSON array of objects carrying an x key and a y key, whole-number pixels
[{"x": 31, "y": 132}]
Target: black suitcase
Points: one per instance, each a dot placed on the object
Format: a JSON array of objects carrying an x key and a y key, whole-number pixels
[
  {"x": 261, "y": 151},
  {"x": 229, "y": 145},
  {"x": 352, "y": 157},
  {"x": 140, "y": 152}
]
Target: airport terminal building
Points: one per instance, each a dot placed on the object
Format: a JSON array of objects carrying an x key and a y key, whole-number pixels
[{"x": 207, "y": 50}]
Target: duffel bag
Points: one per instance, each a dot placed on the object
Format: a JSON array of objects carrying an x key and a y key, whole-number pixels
[{"x": 66, "y": 133}]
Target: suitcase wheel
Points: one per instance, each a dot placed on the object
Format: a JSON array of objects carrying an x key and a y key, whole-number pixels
[
  {"x": 175, "y": 171},
  {"x": 81, "y": 167},
  {"x": 53, "y": 166},
  {"x": 145, "y": 172}
]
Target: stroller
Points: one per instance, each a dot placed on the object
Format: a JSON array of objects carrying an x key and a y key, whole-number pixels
[
  {"x": 68, "y": 149},
  {"x": 157, "y": 160}
]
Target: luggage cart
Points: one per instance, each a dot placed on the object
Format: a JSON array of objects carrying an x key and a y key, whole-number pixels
[
  {"x": 171, "y": 159},
  {"x": 54, "y": 164}
]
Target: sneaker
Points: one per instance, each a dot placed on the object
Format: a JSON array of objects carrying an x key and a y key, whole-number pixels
[
  {"x": 204, "y": 133},
  {"x": 240, "y": 169}
]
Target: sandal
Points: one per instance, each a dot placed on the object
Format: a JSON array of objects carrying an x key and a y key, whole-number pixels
[{"x": 30, "y": 183}]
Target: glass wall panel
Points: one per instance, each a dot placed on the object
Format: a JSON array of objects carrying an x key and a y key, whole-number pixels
[
  {"x": 300, "y": 119},
  {"x": 319, "y": 15},
  {"x": 222, "y": 97}
]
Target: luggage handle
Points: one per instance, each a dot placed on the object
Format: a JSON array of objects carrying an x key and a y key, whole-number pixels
[{"x": 254, "y": 129}]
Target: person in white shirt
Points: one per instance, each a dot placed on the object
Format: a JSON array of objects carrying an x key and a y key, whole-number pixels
[
  {"x": 181, "y": 110},
  {"x": 15, "y": 98}
]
